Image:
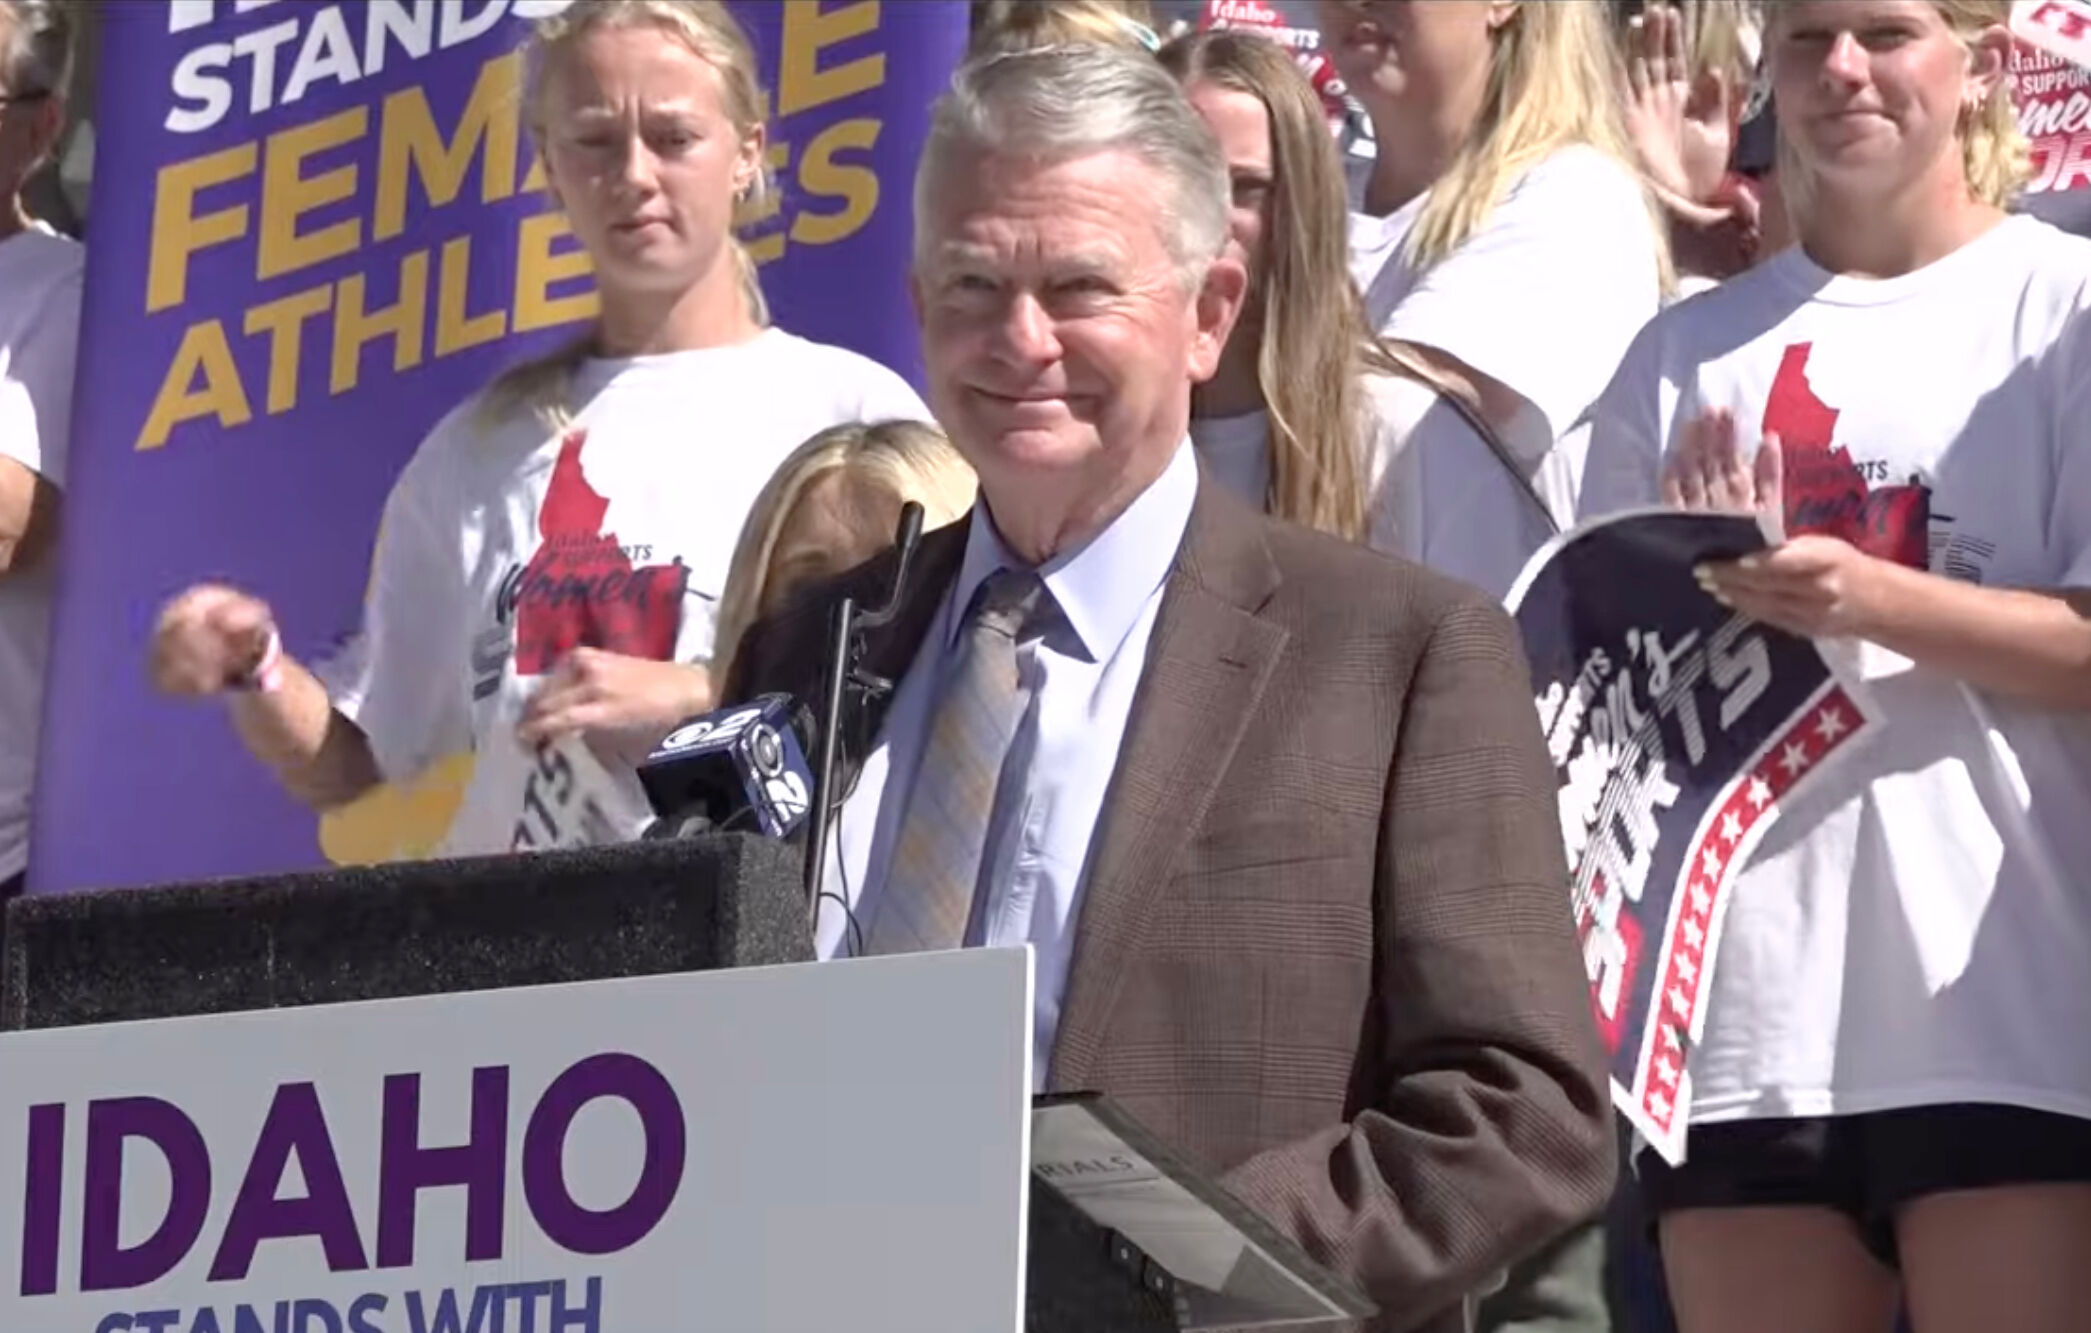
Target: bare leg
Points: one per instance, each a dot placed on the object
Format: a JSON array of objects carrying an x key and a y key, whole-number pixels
[{"x": 1774, "y": 1270}]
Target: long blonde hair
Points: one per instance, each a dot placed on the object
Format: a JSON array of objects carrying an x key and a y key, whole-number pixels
[
  {"x": 543, "y": 386},
  {"x": 1316, "y": 342},
  {"x": 1995, "y": 155},
  {"x": 1553, "y": 81},
  {"x": 905, "y": 460},
  {"x": 1020, "y": 25}
]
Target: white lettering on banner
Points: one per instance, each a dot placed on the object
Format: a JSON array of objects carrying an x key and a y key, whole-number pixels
[
  {"x": 318, "y": 46},
  {"x": 1610, "y": 742}
]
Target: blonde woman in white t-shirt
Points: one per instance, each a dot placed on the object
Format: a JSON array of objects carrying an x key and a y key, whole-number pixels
[
  {"x": 1505, "y": 227},
  {"x": 1310, "y": 415},
  {"x": 1892, "y": 1100},
  {"x": 549, "y": 562}
]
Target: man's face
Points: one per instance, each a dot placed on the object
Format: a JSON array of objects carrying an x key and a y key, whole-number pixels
[{"x": 1060, "y": 334}]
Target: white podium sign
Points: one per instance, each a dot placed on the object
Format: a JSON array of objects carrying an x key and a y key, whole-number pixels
[{"x": 834, "y": 1145}]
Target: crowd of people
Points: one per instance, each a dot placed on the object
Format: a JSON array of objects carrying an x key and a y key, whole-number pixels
[{"x": 1241, "y": 420}]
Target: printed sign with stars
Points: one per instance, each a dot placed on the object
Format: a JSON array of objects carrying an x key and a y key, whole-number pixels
[{"x": 1678, "y": 732}]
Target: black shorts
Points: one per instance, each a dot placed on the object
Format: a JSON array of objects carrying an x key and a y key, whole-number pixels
[{"x": 1868, "y": 1166}]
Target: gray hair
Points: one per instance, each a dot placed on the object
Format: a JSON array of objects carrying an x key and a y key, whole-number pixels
[
  {"x": 36, "y": 45},
  {"x": 1059, "y": 102}
]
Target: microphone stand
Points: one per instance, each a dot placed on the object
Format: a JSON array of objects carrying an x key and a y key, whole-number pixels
[{"x": 842, "y": 675}]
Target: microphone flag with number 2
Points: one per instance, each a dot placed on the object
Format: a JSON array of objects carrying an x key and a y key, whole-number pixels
[{"x": 1677, "y": 730}]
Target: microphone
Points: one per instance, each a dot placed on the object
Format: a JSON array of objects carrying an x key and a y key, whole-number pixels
[
  {"x": 718, "y": 768},
  {"x": 841, "y": 673}
]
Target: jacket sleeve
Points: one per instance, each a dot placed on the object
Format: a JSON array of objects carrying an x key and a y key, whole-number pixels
[{"x": 1489, "y": 1132}]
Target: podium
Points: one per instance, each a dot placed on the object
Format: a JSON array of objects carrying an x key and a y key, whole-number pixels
[{"x": 521, "y": 944}]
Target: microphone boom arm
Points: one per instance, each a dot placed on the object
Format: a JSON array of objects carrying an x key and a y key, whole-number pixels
[{"x": 845, "y": 646}]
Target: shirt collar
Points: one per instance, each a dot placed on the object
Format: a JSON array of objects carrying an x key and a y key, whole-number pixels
[{"x": 1102, "y": 586}]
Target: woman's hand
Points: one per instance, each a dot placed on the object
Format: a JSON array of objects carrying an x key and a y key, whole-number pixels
[
  {"x": 209, "y": 640},
  {"x": 1706, "y": 473},
  {"x": 627, "y": 701},
  {"x": 1683, "y": 128},
  {"x": 1814, "y": 586}
]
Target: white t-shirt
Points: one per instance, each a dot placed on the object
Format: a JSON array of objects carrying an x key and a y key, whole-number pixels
[
  {"x": 1544, "y": 298},
  {"x": 40, "y": 282},
  {"x": 1917, "y": 929},
  {"x": 504, "y": 548},
  {"x": 1440, "y": 496}
]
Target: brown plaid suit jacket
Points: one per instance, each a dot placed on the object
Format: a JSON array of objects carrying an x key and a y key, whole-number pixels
[{"x": 1325, "y": 945}]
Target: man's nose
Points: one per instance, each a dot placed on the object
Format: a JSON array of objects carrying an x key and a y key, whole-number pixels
[{"x": 1027, "y": 331}]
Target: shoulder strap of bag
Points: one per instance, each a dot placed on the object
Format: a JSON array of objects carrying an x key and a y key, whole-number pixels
[{"x": 1410, "y": 363}]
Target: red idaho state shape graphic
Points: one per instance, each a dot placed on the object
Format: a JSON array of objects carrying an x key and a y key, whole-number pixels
[
  {"x": 580, "y": 589},
  {"x": 1825, "y": 491}
]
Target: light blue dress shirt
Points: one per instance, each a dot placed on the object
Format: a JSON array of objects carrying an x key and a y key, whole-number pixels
[{"x": 1082, "y": 667}]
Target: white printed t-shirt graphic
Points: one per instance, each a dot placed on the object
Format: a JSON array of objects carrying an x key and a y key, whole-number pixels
[
  {"x": 505, "y": 548},
  {"x": 40, "y": 282},
  {"x": 1914, "y": 930}
]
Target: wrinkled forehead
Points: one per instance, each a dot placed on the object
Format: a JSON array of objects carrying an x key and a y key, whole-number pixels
[{"x": 1096, "y": 207}]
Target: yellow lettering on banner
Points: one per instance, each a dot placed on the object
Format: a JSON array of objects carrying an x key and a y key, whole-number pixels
[
  {"x": 288, "y": 194},
  {"x": 456, "y": 330},
  {"x": 825, "y": 178},
  {"x": 808, "y": 29},
  {"x": 408, "y": 138},
  {"x": 355, "y": 328},
  {"x": 538, "y": 267},
  {"x": 284, "y": 322},
  {"x": 203, "y": 351},
  {"x": 179, "y": 231}
]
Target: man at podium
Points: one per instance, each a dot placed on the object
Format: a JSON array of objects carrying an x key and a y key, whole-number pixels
[{"x": 1273, "y": 811}]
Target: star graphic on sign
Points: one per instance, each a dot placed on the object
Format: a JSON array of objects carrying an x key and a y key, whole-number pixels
[
  {"x": 1731, "y": 828},
  {"x": 1710, "y": 862},
  {"x": 1831, "y": 724},
  {"x": 1760, "y": 792},
  {"x": 1694, "y": 933},
  {"x": 1665, "y": 1071},
  {"x": 1658, "y": 1105},
  {"x": 1680, "y": 1001},
  {"x": 1793, "y": 758},
  {"x": 1702, "y": 901},
  {"x": 1687, "y": 970}
]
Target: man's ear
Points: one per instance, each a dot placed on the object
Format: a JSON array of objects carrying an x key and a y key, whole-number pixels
[{"x": 1218, "y": 307}]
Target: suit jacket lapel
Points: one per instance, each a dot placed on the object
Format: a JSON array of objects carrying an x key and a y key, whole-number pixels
[{"x": 1208, "y": 662}]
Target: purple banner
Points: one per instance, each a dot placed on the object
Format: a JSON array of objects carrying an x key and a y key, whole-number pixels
[{"x": 316, "y": 228}]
